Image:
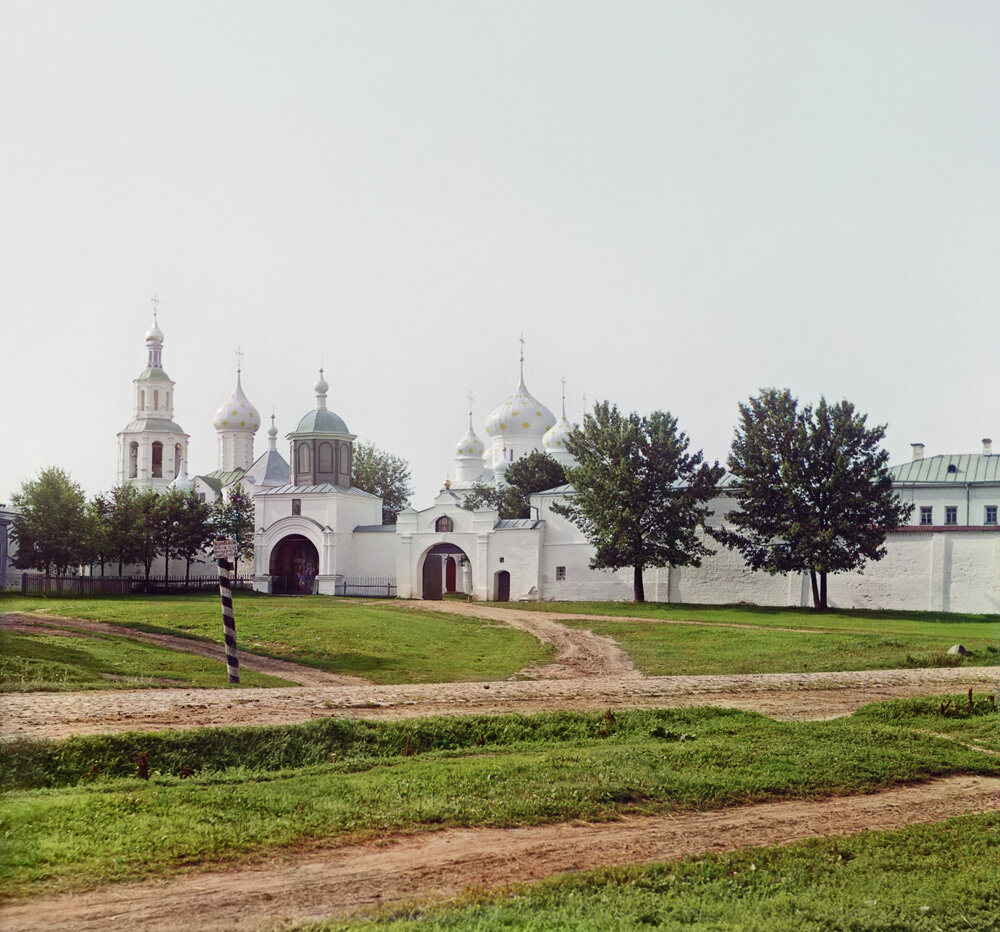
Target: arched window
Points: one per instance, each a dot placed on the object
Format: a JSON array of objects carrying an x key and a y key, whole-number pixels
[
  {"x": 157, "y": 459},
  {"x": 142, "y": 401},
  {"x": 177, "y": 459},
  {"x": 325, "y": 456},
  {"x": 133, "y": 460},
  {"x": 303, "y": 457},
  {"x": 156, "y": 401},
  {"x": 444, "y": 524},
  {"x": 345, "y": 463},
  {"x": 166, "y": 404}
]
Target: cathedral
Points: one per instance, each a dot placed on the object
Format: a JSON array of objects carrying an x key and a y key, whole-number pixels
[{"x": 317, "y": 533}]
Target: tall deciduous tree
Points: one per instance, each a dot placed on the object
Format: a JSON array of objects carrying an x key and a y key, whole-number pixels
[
  {"x": 148, "y": 527},
  {"x": 639, "y": 496},
  {"x": 233, "y": 517},
  {"x": 51, "y": 523},
  {"x": 535, "y": 472},
  {"x": 193, "y": 532},
  {"x": 384, "y": 475},
  {"x": 124, "y": 528},
  {"x": 813, "y": 489}
]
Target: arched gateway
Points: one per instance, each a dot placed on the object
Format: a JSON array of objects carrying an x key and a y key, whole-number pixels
[
  {"x": 294, "y": 564},
  {"x": 445, "y": 569}
]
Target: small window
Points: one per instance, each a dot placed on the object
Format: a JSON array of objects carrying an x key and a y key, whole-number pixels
[
  {"x": 296, "y": 506},
  {"x": 142, "y": 401},
  {"x": 991, "y": 514},
  {"x": 926, "y": 514},
  {"x": 157, "y": 460},
  {"x": 560, "y": 572},
  {"x": 952, "y": 467},
  {"x": 201, "y": 496},
  {"x": 156, "y": 400},
  {"x": 951, "y": 514},
  {"x": 444, "y": 524},
  {"x": 501, "y": 559},
  {"x": 133, "y": 460}
]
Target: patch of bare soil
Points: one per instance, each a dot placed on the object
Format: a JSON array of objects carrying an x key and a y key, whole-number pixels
[
  {"x": 69, "y": 627},
  {"x": 350, "y": 880}
]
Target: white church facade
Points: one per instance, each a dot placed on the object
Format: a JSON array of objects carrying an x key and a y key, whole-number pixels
[{"x": 314, "y": 530}]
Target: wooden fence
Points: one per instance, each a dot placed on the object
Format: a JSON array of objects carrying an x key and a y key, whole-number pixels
[
  {"x": 367, "y": 587},
  {"x": 120, "y": 585}
]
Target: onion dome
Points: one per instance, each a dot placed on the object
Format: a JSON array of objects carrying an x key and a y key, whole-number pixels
[
  {"x": 470, "y": 444},
  {"x": 556, "y": 436},
  {"x": 181, "y": 481},
  {"x": 154, "y": 334},
  {"x": 237, "y": 413},
  {"x": 321, "y": 420},
  {"x": 520, "y": 415}
]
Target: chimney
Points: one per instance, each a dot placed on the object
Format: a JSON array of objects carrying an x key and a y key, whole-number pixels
[
  {"x": 987, "y": 446},
  {"x": 918, "y": 451}
]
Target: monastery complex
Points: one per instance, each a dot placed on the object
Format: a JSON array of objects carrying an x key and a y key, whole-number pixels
[{"x": 314, "y": 531}]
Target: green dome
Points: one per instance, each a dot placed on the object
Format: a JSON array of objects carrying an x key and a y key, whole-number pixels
[{"x": 322, "y": 421}]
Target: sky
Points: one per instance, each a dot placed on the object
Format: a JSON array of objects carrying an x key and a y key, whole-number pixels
[{"x": 676, "y": 203}]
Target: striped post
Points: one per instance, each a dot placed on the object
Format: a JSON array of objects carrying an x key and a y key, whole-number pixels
[{"x": 222, "y": 551}]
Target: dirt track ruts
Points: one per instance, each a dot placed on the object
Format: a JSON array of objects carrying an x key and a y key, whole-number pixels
[{"x": 351, "y": 879}]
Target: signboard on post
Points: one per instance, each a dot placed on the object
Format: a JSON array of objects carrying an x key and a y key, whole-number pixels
[{"x": 225, "y": 554}]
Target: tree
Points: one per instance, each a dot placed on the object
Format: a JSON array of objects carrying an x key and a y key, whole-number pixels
[
  {"x": 533, "y": 473},
  {"x": 193, "y": 531},
  {"x": 123, "y": 527},
  {"x": 168, "y": 519},
  {"x": 813, "y": 489},
  {"x": 384, "y": 475},
  {"x": 233, "y": 517},
  {"x": 639, "y": 496},
  {"x": 147, "y": 527},
  {"x": 99, "y": 510},
  {"x": 51, "y": 523}
]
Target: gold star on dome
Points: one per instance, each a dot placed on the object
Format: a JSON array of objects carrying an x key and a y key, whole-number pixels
[{"x": 526, "y": 424}]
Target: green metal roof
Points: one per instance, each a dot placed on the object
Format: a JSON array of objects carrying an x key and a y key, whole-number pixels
[
  {"x": 154, "y": 424},
  {"x": 224, "y": 477},
  {"x": 153, "y": 375},
  {"x": 935, "y": 470},
  {"x": 321, "y": 421}
]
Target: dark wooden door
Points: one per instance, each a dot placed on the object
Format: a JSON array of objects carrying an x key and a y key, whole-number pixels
[
  {"x": 432, "y": 577},
  {"x": 449, "y": 574},
  {"x": 503, "y": 586}
]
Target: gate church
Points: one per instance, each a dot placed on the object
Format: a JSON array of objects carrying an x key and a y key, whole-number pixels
[{"x": 314, "y": 530}]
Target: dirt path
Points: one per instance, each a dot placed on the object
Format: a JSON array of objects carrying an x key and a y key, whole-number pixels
[
  {"x": 348, "y": 880},
  {"x": 787, "y": 696},
  {"x": 70, "y": 627}
]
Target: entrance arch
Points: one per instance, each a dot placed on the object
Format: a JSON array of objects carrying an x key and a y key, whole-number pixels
[
  {"x": 501, "y": 584},
  {"x": 294, "y": 564},
  {"x": 445, "y": 569}
]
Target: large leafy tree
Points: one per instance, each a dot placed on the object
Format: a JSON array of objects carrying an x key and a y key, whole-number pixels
[
  {"x": 384, "y": 475},
  {"x": 149, "y": 511},
  {"x": 124, "y": 528},
  {"x": 232, "y": 516},
  {"x": 51, "y": 524},
  {"x": 193, "y": 531},
  {"x": 639, "y": 495},
  {"x": 99, "y": 510},
  {"x": 535, "y": 472},
  {"x": 812, "y": 487}
]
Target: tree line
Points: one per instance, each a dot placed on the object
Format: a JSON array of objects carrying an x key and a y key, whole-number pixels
[
  {"x": 57, "y": 528},
  {"x": 811, "y": 488}
]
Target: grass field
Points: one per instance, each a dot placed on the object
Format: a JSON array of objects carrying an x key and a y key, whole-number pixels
[
  {"x": 782, "y": 640},
  {"x": 82, "y": 816},
  {"x": 46, "y": 661},
  {"x": 379, "y": 642},
  {"x": 918, "y": 879}
]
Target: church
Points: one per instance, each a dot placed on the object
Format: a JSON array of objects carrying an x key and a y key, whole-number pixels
[{"x": 316, "y": 533}]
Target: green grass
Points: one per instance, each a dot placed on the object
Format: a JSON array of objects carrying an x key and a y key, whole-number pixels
[
  {"x": 255, "y": 790},
  {"x": 378, "y": 642},
  {"x": 919, "y": 879},
  {"x": 826, "y": 641},
  {"x": 49, "y": 661}
]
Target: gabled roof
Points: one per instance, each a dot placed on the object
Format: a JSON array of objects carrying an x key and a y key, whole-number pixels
[
  {"x": 935, "y": 470},
  {"x": 321, "y": 489},
  {"x": 219, "y": 479}
]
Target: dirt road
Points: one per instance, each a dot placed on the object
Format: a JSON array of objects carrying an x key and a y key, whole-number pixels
[{"x": 348, "y": 880}]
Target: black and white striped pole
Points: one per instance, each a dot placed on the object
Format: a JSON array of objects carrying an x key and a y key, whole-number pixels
[{"x": 225, "y": 554}]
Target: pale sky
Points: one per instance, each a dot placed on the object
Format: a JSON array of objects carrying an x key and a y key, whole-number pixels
[{"x": 677, "y": 203}]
